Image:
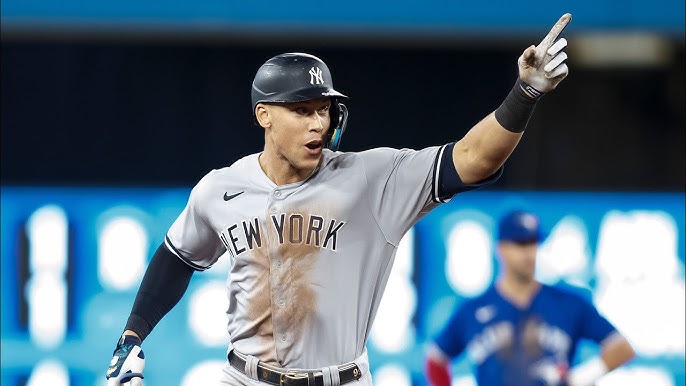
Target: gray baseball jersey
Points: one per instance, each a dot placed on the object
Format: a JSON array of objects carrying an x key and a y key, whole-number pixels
[{"x": 310, "y": 260}]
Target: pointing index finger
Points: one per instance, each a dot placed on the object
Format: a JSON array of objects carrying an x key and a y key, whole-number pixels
[{"x": 557, "y": 29}]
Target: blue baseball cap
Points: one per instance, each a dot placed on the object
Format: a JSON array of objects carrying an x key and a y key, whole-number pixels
[{"x": 520, "y": 227}]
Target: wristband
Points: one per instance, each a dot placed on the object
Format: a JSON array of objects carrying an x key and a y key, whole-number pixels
[
  {"x": 515, "y": 111},
  {"x": 587, "y": 373}
]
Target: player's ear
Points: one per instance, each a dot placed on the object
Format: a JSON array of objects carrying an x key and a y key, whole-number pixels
[{"x": 262, "y": 115}]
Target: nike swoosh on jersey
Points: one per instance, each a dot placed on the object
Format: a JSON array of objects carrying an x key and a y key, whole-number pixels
[{"x": 228, "y": 197}]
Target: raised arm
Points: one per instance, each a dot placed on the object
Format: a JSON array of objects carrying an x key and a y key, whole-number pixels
[{"x": 486, "y": 146}]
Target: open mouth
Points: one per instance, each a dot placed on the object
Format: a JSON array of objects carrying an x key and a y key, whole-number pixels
[{"x": 315, "y": 145}]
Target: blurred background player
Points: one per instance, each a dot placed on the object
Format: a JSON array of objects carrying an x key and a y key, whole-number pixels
[{"x": 521, "y": 332}]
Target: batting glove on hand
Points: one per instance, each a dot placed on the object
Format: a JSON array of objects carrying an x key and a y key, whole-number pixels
[
  {"x": 542, "y": 67},
  {"x": 127, "y": 363}
]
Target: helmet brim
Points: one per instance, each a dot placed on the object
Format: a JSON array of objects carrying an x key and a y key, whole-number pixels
[
  {"x": 302, "y": 95},
  {"x": 312, "y": 93}
]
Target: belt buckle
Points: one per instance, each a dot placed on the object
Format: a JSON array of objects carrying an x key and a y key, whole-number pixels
[{"x": 291, "y": 375}]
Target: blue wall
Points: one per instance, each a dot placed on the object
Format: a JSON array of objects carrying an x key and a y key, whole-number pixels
[{"x": 431, "y": 17}]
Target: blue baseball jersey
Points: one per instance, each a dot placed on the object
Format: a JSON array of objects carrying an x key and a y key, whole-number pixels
[{"x": 512, "y": 346}]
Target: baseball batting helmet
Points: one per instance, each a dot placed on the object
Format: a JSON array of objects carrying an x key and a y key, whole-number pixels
[{"x": 297, "y": 77}]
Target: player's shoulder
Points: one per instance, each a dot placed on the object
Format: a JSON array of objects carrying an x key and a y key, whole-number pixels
[
  {"x": 345, "y": 159},
  {"x": 487, "y": 297},
  {"x": 237, "y": 173},
  {"x": 238, "y": 167},
  {"x": 564, "y": 291},
  {"x": 376, "y": 156},
  {"x": 384, "y": 152},
  {"x": 339, "y": 156}
]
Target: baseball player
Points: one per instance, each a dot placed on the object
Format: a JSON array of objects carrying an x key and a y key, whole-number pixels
[
  {"x": 311, "y": 231},
  {"x": 521, "y": 332}
]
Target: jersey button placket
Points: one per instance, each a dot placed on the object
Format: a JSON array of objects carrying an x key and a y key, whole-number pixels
[
  {"x": 279, "y": 300},
  {"x": 272, "y": 202},
  {"x": 277, "y": 195}
]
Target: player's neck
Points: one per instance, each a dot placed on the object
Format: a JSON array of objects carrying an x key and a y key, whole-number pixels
[
  {"x": 519, "y": 292},
  {"x": 280, "y": 171}
]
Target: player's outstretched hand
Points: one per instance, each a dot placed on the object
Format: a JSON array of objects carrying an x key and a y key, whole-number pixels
[
  {"x": 543, "y": 66},
  {"x": 127, "y": 363}
]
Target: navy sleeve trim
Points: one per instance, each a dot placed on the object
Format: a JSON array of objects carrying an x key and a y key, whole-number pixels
[
  {"x": 435, "y": 179},
  {"x": 178, "y": 254},
  {"x": 448, "y": 182}
]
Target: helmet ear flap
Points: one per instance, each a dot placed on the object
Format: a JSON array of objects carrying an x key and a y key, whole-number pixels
[{"x": 339, "y": 121}]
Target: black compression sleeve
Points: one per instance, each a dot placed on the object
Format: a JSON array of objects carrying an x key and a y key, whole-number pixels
[{"x": 163, "y": 285}]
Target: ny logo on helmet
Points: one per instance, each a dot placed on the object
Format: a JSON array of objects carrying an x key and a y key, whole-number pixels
[{"x": 316, "y": 76}]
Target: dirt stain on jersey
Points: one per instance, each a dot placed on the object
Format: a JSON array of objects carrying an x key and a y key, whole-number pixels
[
  {"x": 259, "y": 306},
  {"x": 294, "y": 300}
]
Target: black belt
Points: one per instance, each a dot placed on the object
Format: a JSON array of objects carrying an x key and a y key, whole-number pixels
[{"x": 346, "y": 373}]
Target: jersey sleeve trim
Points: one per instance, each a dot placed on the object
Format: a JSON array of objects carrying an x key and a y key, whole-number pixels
[
  {"x": 447, "y": 182},
  {"x": 437, "y": 175},
  {"x": 178, "y": 254}
]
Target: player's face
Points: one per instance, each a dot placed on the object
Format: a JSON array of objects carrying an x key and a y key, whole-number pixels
[
  {"x": 519, "y": 259},
  {"x": 295, "y": 136}
]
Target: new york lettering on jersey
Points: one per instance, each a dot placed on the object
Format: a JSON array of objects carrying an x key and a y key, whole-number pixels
[{"x": 294, "y": 228}]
